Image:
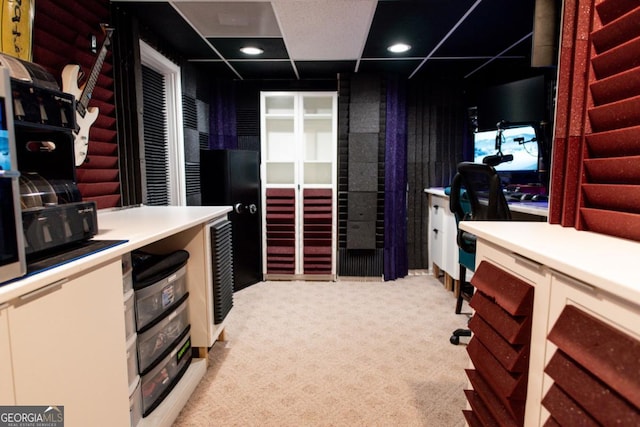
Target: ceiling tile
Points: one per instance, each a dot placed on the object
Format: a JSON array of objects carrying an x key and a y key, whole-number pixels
[
  {"x": 158, "y": 16},
  {"x": 323, "y": 69},
  {"x": 230, "y": 19},
  {"x": 216, "y": 69},
  {"x": 402, "y": 67},
  {"x": 422, "y": 25},
  {"x": 324, "y": 29},
  {"x": 229, "y": 48},
  {"x": 264, "y": 69}
]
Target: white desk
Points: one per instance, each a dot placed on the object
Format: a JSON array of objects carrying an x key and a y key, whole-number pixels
[
  {"x": 538, "y": 209},
  {"x": 62, "y": 331},
  {"x": 442, "y": 244}
]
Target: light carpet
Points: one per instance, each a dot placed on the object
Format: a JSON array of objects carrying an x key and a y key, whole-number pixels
[{"x": 343, "y": 353}]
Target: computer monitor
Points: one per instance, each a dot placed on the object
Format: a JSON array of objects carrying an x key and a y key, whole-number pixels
[{"x": 521, "y": 142}]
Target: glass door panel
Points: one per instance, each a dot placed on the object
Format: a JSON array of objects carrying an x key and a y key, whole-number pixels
[
  {"x": 318, "y": 105},
  {"x": 318, "y": 173},
  {"x": 280, "y": 141},
  {"x": 279, "y": 105},
  {"x": 280, "y": 173},
  {"x": 318, "y": 138}
]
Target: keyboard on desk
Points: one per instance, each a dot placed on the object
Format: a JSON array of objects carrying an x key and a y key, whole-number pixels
[{"x": 517, "y": 196}]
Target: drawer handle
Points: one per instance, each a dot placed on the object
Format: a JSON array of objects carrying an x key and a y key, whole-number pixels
[
  {"x": 576, "y": 282},
  {"x": 526, "y": 262},
  {"x": 51, "y": 287},
  {"x": 435, "y": 230}
]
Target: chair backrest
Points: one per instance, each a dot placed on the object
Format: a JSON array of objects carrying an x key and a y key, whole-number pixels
[{"x": 476, "y": 195}]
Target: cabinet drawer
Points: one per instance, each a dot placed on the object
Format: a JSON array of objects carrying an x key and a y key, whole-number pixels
[
  {"x": 437, "y": 209},
  {"x": 516, "y": 264},
  {"x": 155, "y": 299},
  {"x": 499, "y": 348},
  {"x": 155, "y": 342},
  {"x": 593, "y": 355},
  {"x": 157, "y": 384}
]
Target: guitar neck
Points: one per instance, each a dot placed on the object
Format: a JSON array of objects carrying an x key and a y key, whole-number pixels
[{"x": 85, "y": 97}]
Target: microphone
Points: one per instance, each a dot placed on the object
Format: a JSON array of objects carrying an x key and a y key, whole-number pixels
[{"x": 496, "y": 159}]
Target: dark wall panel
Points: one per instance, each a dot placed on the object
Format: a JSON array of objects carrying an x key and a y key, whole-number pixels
[
  {"x": 61, "y": 36},
  {"x": 437, "y": 130},
  {"x": 361, "y": 150}
]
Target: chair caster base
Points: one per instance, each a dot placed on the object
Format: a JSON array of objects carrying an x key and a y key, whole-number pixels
[{"x": 455, "y": 337}]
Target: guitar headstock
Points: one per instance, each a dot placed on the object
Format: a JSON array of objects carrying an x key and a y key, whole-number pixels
[{"x": 107, "y": 31}]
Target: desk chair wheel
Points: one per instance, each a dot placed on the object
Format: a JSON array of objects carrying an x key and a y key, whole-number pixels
[{"x": 455, "y": 337}]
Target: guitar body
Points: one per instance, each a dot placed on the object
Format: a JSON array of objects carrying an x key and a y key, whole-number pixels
[{"x": 83, "y": 123}]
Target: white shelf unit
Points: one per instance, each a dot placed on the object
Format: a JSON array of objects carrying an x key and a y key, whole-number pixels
[{"x": 298, "y": 171}]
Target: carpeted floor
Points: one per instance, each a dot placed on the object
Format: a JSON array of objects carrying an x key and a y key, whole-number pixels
[{"x": 344, "y": 353}]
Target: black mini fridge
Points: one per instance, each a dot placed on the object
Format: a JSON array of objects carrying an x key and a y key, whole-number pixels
[{"x": 232, "y": 178}]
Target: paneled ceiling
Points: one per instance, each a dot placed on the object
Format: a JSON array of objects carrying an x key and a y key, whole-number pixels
[{"x": 317, "y": 39}]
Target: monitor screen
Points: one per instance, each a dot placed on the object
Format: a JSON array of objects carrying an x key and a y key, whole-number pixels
[{"x": 521, "y": 142}]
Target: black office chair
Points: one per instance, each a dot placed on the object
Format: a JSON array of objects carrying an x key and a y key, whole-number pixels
[{"x": 476, "y": 195}]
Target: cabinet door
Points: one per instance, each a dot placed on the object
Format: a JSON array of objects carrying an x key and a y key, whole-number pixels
[
  {"x": 592, "y": 368},
  {"x": 6, "y": 374},
  {"x": 450, "y": 243},
  {"x": 437, "y": 208},
  {"x": 298, "y": 169},
  {"x": 69, "y": 348},
  {"x": 319, "y": 139},
  {"x": 279, "y": 146}
]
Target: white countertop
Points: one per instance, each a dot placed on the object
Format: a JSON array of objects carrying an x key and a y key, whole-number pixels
[
  {"x": 139, "y": 226},
  {"x": 531, "y": 208},
  {"x": 608, "y": 263}
]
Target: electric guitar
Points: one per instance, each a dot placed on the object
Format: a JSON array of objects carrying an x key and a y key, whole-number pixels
[{"x": 85, "y": 116}]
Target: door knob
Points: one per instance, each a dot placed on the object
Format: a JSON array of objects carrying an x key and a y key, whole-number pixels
[{"x": 239, "y": 208}]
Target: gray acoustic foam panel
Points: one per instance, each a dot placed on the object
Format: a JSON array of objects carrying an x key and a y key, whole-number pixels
[
  {"x": 364, "y": 117},
  {"x": 191, "y": 145},
  {"x": 202, "y": 109},
  {"x": 363, "y": 176},
  {"x": 363, "y": 147},
  {"x": 361, "y": 234},
  {"x": 362, "y": 206}
]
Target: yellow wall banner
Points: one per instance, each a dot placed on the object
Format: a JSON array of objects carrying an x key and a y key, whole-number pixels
[{"x": 16, "y": 28}]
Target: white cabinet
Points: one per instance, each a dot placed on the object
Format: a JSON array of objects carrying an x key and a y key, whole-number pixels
[
  {"x": 68, "y": 348},
  {"x": 585, "y": 339},
  {"x": 6, "y": 385},
  {"x": 63, "y": 332},
  {"x": 436, "y": 233},
  {"x": 442, "y": 244},
  {"x": 298, "y": 171},
  {"x": 197, "y": 241},
  {"x": 597, "y": 336}
]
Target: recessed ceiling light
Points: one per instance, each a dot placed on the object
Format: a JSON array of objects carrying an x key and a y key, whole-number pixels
[
  {"x": 251, "y": 50},
  {"x": 399, "y": 48}
]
